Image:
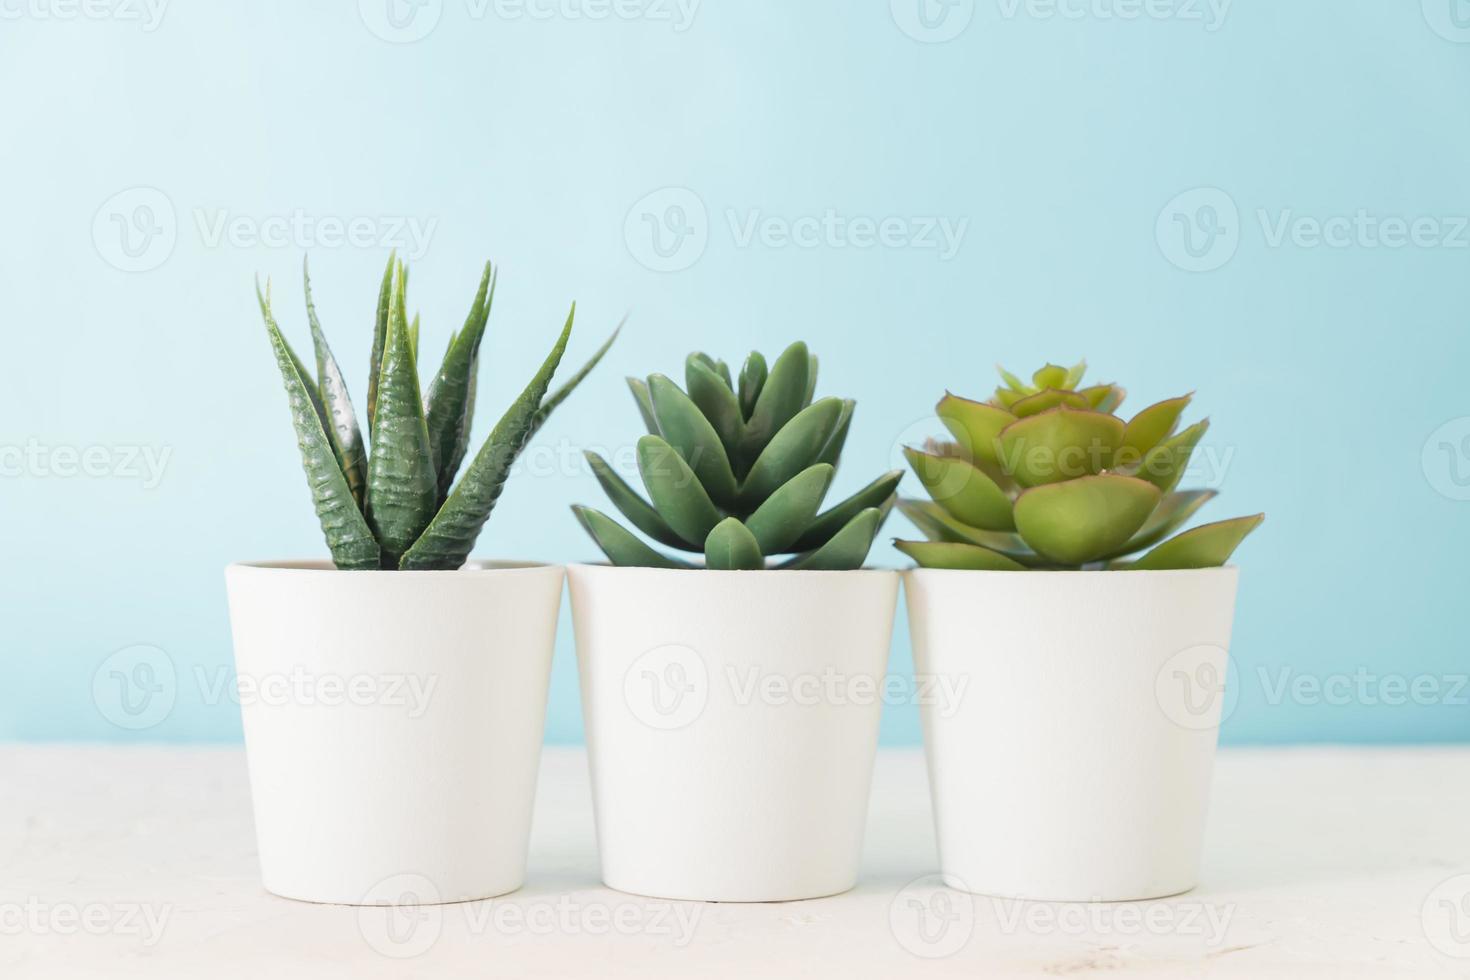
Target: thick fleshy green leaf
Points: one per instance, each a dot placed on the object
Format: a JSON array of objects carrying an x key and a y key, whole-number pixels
[
  {"x": 403, "y": 489},
  {"x": 875, "y": 494},
  {"x": 620, "y": 545},
  {"x": 847, "y": 549},
  {"x": 1015, "y": 384},
  {"x": 1148, "y": 428},
  {"x": 976, "y": 425},
  {"x": 633, "y": 506},
  {"x": 685, "y": 428},
  {"x": 1164, "y": 465},
  {"x": 1005, "y": 397},
  {"x": 711, "y": 392},
  {"x": 787, "y": 513},
  {"x": 447, "y": 408},
  {"x": 563, "y": 392},
  {"x": 451, "y": 535},
  {"x": 1050, "y": 376},
  {"x": 832, "y": 451},
  {"x": 675, "y": 490},
  {"x": 1104, "y": 398},
  {"x": 1074, "y": 375},
  {"x": 963, "y": 490},
  {"x": 797, "y": 446},
  {"x": 413, "y": 337},
  {"x": 337, "y": 403},
  {"x": 781, "y": 398},
  {"x": 937, "y": 524},
  {"x": 348, "y": 536},
  {"x": 731, "y": 547},
  {"x": 1059, "y": 444},
  {"x": 752, "y": 380},
  {"x": 1045, "y": 399},
  {"x": 811, "y": 380},
  {"x": 950, "y": 554},
  {"x": 1206, "y": 546},
  {"x": 380, "y": 337},
  {"x": 1171, "y": 514},
  {"x": 639, "y": 387},
  {"x": 1082, "y": 520}
]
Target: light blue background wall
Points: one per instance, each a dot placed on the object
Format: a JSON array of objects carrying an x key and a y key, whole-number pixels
[{"x": 1059, "y": 135}]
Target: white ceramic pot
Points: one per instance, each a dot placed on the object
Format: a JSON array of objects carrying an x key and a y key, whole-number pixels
[
  {"x": 393, "y": 725},
  {"x": 732, "y": 720},
  {"x": 1076, "y": 764}
]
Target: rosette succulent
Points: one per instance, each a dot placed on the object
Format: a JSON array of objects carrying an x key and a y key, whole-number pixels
[
  {"x": 738, "y": 471},
  {"x": 1047, "y": 475},
  {"x": 392, "y": 502}
]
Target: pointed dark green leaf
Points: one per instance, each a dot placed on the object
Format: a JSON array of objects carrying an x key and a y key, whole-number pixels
[
  {"x": 731, "y": 547},
  {"x": 448, "y": 410},
  {"x": 1165, "y": 464},
  {"x": 797, "y": 446},
  {"x": 963, "y": 490},
  {"x": 847, "y": 549},
  {"x": 620, "y": 545},
  {"x": 787, "y": 513},
  {"x": 685, "y": 427},
  {"x": 639, "y": 388},
  {"x": 676, "y": 491},
  {"x": 709, "y": 390},
  {"x": 1206, "y": 546},
  {"x": 752, "y": 379},
  {"x": 1082, "y": 520},
  {"x": 633, "y": 506},
  {"x": 1059, "y": 444},
  {"x": 875, "y": 494},
  {"x": 341, "y": 417},
  {"x": 832, "y": 451},
  {"x": 950, "y": 554},
  {"x": 811, "y": 380},
  {"x": 380, "y": 337},
  {"x": 562, "y": 393},
  {"x": 781, "y": 398},
  {"x": 451, "y": 535}
]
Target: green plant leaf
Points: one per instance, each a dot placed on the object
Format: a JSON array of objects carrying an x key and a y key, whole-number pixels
[
  {"x": 780, "y": 521},
  {"x": 1104, "y": 398},
  {"x": 380, "y": 337},
  {"x": 709, "y": 390},
  {"x": 976, "y": 425},
  {"x": 639, "y": 388},
  {"x": 634, "y": 507},
  {"x": 1171, "y": 514},
  {"x": 963, "y": 490},
  {"x": 1148, "y": 428},
  {"x": 619, "y": 544},
  {"x": 1045, "y": 399},
  {"x": 752, "y": 380},
  {"x": 1015, "y": 384},
  {"x": 341, "y": 418},
  {"x": 731, "y": 547},
  {"x": 837, "y": 516},
  {"x": 1165, "y": 464},
  {"x": 1059, "y": 444},
  {"x": 451, "y": 534},
  {"x": 950, "y": 554},
  {"x": 1080, "y": 521},
  {"x": 562, "y": 393},
  {"x": 937, "y": 524},
  {"x": 685, "y": 428},
  {"x": 675, "y": 490},
  {"x": 403, "y": 490},
  {"x": 1206, "y": 546},
  {"x": 832, "y": 451},
  {"x": 1074, "y": 375},
  {"x": 811, "y": 380},
  {"x": 1050, "y": 376},
  {"x": 448, "y": 412},
  {"x": 794, "y": 448},
  {"x": 348, "y": 536},
  {"x": 847, "y": 549},
  {"x": 413, "y": 337},
  {"x": 781, "y": 398}
]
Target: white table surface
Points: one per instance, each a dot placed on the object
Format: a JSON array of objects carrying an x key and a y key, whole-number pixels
[{"x": 139, "y": 862}]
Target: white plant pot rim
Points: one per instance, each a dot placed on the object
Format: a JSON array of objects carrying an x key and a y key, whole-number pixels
[
  {"x": 1031, "y": 572},
  {"x": 807, "y": 573},
  {"x": 316, "y": 566}
]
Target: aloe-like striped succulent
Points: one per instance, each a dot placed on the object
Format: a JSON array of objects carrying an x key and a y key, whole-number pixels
[
  {"x": 1046, "y": 475},
  {"x": 739, "y": 470},
  {"x": 392, "y": 502}
]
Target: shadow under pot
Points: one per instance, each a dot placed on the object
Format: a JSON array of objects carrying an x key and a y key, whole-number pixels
[
  {"x": 393, "y": 725},
  {"x": 732, "y": 721},
  {"x": 1075, "y": 765}
]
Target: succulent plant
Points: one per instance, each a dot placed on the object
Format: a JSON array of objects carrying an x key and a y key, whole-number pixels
[
  {"x": 392, "y": 502},
  {"x": 1046, "y": 475},
  {"x": 739, "y": 470}
]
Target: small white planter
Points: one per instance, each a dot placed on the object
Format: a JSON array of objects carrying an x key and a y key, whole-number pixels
[
  {"x": 393, "y": 725},
  {"x": 732, "y": 720},
  {"x": 1077, "y": 764}
]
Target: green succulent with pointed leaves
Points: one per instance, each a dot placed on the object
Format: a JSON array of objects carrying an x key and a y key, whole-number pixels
[
  {"x": 392, "y": 501},
  {"x": 738, "y": 470},
  {"x": 1047, "y": 475}
]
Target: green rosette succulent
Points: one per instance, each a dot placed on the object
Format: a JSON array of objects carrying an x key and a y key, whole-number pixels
[
  {"x": 738, "y": 471},
  {"x": 1047, "y": 475},
  {"x": 392, "y": 501}
]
